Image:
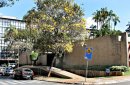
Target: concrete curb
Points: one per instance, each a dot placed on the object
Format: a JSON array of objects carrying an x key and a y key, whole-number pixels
[
  {"x": 105, "y": 82},
  {"x": 93, "y": 81},
  {"x": 64, "y": 81}
]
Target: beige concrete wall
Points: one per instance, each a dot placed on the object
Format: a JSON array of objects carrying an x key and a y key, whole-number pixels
[
  {"x": 25, "y": 59},
  {"x": 124, "y": 50},
  {"x": 107, "y": 51},
  {"x": 42, "y": 60}
]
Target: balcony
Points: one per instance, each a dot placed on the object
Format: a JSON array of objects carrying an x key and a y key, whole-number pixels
[{"x": 8, "y": 59}]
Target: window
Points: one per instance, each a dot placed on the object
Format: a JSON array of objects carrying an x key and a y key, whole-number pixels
[
  {"x": 0, "y": 22},
  {"x": 27, "y": 70}
]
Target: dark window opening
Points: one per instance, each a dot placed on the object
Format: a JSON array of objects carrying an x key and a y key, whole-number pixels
[{"x": 50, "y": 59}]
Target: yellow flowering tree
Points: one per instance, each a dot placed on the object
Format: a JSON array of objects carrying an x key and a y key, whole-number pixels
[
  {"x": 58, "y": 21},
  {"x": 59, "y": 24}
]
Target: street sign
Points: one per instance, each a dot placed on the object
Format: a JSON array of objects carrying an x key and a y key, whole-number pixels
[
  {"x": 88, "y": 53},
  {"x": 88, "y": 56}
]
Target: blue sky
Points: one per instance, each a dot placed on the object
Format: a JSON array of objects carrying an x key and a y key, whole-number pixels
[{"x": 120, "y": 7}]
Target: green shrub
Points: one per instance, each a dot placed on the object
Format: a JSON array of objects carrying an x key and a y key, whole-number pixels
[
  {"x": 112, "y": 68},
  {"x": 83, "y": 67},
  {"x": 98, "y": 67},
  {"x": 119, "y": 68}
]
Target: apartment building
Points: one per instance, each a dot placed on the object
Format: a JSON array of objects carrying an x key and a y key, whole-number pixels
[{"x": 7, "y": 22}]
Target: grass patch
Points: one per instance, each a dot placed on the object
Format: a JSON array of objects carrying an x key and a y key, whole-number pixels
[{"x": 127, "y": 73}]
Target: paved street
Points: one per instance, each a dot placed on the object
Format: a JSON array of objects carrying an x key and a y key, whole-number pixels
[
  {"x": 8, "y": 80},
  {"x": 120, "y": 83},
  {"x": 5, "y": 80}
]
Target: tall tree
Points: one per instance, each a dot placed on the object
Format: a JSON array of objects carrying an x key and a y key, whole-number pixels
[
  {"x": 110, "y": 17},
  {"x": 18, "y": 38},
  {"x": 4, "y": 3},
  {"x": 106, "y": 31},
  {"x": 105, "y": 17},
  {"x": 60, "y": 19},
  {"x": 116, "y": 20},
  {"x": 96, "y": 17},
  {"x": 59, "y": 24},
  {"x": 10, "y": 33}
]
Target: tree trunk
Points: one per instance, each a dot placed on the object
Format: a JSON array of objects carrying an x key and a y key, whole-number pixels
[
  {"x": 34, "y": 62},
  {"x": 51, "y": 66},
  {"x": 26, "y": 57},
  {"x": 61, "y": 61},
  {"x": 97, "y": 25}
]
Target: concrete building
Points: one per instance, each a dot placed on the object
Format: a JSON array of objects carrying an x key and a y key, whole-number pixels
[{"x": 7, "y": 22}]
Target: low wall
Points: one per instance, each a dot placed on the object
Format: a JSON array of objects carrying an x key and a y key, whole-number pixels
[
  {"x": 96, "y": 73},
  {"x": 107, "y": 50}
]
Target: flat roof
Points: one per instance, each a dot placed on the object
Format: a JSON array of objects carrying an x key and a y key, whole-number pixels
[{"x": 11, "y": 19}]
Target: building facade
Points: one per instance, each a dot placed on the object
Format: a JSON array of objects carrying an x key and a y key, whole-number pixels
[{"x": 7, "y": 22}]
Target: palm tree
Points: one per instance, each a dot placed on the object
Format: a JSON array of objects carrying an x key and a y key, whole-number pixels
[
  {"x": 115, "y": 20},
  {"x": 110, "y": 16},
  {"x": 96, "y": 17},
  {"x": 104, "y": 15},
  {"x": 100, "y": 16}
]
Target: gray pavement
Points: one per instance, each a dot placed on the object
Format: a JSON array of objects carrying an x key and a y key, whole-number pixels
[
  {"x": 8, "y": 80},
  {"x": 119, "y": 80},
  {"x": 26, "y": 82},
  {"x": 120, "y": 83},
  {"x": 90, "y": 81}
]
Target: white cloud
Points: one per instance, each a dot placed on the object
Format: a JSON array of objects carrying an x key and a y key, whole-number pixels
[{"x": 89, "y": 22}]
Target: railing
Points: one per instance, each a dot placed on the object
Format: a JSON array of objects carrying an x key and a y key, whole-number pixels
[{"x": 9, "y": 58}]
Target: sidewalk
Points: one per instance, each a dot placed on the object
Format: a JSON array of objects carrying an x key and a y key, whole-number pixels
[
  {"x": 89, "y": 81},
  {"x": 76, "y": 79}
]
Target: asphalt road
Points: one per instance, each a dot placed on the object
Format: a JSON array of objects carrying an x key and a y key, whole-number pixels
[
  {"x": 121, "y": 83},
  {"x": 8, "y": 80}
]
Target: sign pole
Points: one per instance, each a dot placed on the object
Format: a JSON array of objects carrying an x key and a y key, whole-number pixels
[
  {"x": 86, "y": 69},
  {"x": 88, "y": 56}
]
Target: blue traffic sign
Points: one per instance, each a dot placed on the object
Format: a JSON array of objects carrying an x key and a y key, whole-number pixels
[{"x": 88, "y": 53}]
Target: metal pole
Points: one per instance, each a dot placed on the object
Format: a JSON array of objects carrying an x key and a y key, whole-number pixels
[
  {"x": 86, "y": 70},
  {"x": 18, "y": 56}
]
